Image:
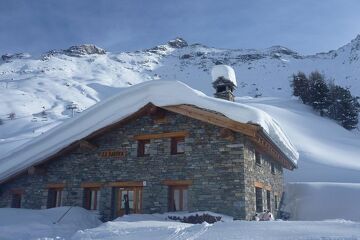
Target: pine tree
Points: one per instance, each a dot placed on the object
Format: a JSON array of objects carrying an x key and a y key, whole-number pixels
[
  {"x": 344, "y": 107},
  {"x": 319, "y": 92},
  {"x": 300, "y": 85}
]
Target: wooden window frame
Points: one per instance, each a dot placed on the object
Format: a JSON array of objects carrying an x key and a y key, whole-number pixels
[
  {"x": 16, "y": 202},
  {"x": 174, "y": 145},
  {"x": 259, "y": 205},
  {"x": 171, "y": 197},
  {"x": 88, "y": 198},
  {"x": 141, "y": 147},
  {"x": 54, "y": 203},
  {"x": 268, "y": 200}
]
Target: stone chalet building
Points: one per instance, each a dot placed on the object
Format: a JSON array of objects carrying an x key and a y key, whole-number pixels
[{"x": 168, "y": 149}]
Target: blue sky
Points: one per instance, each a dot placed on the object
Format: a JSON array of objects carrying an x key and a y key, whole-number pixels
[{"x": 307, "y": 26}]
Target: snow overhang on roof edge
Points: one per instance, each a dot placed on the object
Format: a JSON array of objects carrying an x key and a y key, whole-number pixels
[{"x": 123, "y": 104}]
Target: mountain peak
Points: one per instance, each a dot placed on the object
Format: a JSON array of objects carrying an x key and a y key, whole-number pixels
[
  {"x": 84, "y": 49},
  {"x": 178, "y": 43}
]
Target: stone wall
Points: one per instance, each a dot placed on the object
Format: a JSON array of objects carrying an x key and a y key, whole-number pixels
[
  {"x": 214, "y": 164},
  {"x": 261, "y": 175}
]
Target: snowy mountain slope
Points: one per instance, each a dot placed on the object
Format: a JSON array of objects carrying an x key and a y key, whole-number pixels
[{"x": 39, "y": 90}]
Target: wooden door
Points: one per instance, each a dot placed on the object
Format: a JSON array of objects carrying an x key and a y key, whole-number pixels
[{"x": 135, "y": 199}]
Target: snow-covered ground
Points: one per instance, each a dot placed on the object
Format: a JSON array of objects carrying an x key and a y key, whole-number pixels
[
  {"x": 25, "y": 224},
  {"x": 79, "y": 224}
]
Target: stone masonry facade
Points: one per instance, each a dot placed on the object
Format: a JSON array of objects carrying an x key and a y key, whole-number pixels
[{"x": 222, "y": 172}]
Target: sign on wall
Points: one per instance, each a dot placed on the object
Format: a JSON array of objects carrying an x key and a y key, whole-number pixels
[{"x": 112, "y": 154}]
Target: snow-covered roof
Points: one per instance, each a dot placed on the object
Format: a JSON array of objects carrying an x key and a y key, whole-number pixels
[
  {"x": 224, "y": 71},
  {"x": 127, "y": 102}
]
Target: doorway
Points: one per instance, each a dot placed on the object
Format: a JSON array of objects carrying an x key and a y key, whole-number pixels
[{"x": 135, "y": 198}]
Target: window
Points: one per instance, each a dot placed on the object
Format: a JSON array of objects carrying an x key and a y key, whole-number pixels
[
  {"x": 144, "y": 148},
  {"x": 91, "y": 198},
  {"x": 257, "y": 158},
  {"x": 272, "y": 166},
  {"x": 178, "y": 198},
  {"x": 16, "y": 200},
  {"x": 276, "y": 202},
  {"x": 55, "y": 197},
  {"x": 268, "y": 200},
  {"x": 177, "y": 145},
  {"x": 258, "y": 199}
]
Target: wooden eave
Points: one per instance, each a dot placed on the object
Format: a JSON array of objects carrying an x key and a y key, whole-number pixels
[{"x": 253, "y": 131}]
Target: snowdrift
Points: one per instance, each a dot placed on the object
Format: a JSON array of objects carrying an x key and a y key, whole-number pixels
[
  {"x": 320, "y": 201},
  {"x": 35, "y": 224}
]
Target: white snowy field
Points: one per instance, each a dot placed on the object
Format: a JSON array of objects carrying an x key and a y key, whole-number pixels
[
  {"x": 25, "y": 224},
  {"x": 79, "y": 224}
]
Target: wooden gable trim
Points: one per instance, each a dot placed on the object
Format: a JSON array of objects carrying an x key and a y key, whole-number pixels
[
  {"x": 254, "y": 132},
  {"x": 161, "y": 135},
  {"x": 87, "y": 145},
  {"x": 127, "y": 184},
  {"x": 177, "y": 182},
  {"x": 213, "y": 118}
]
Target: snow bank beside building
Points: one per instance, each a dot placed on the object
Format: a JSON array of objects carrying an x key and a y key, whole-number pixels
[
  {"x": 153, "y": 228},
  {"x": 35, "y": 224},
  {"x": 322, "y": 200}
]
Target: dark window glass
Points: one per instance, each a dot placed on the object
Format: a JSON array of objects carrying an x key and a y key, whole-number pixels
[
  {"x": 257, "y": 158},
  {"x": 258, "y": 199},
  {"x": 144, "y": 148},
  {"x": 268, "y": 200},
  {"x": 91, "y": 198},
  {"x": 16, "y": 200},
  {"x": 54, "y": 197},
  {"x": 177, "y": 145},
  {"x": 273, "y": 168},
  {"x": 276, "y": 202}
]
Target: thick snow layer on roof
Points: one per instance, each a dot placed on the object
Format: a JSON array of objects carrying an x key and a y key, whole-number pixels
[
  {"x": 123, "y": 104},
  {"x": 223, "y": 71}
]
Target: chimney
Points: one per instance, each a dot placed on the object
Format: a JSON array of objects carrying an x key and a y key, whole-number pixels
[{"x": 224, "y": 82}]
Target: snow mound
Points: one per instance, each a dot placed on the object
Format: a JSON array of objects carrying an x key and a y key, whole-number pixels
[
  {"x": 224, "y": 71},
  {"x": 35, "y": 224},
  {"x": 322, "y": 200},
  {"x": 128, "y": 101},
  {"x": 149, "y": 229}
]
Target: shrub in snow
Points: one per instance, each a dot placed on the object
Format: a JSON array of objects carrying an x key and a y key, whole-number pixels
[
  {"x": 12, "y": 116},
  {"x": 196, "y": 219}
]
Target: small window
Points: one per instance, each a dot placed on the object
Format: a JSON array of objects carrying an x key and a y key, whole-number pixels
[
  {"x": 268, "y": 200},
  {"x": 272, "y": 168},
  {"x": 257, "y": 158},
  {"x": 258, "y": 199},
  {"x": 16, "y": 200},
  {"x": 177, "y": 145},
  {"x": 55, "y": 196},
  {"x": 144, "y": 148},
  {"x": 91, "y": 198},
  {"x": 276, "y": 202}
]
